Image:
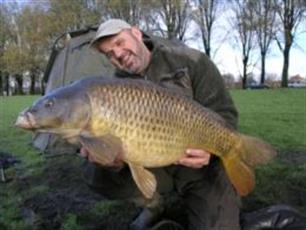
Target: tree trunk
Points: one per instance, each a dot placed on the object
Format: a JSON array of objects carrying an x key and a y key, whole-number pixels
[
  {"x": 33, "y": 79},
  {"x": 207, "y": 51},
  {"x": 205, "y": 43},
  {"x": 244, "y": 76},
  {"x": 19, "y": 80},
  {"x": 263, "y": 68},
  {"x": 7, "y": 84},
  {"x": 1, "y": 84},
  {"x": 285, "y": 66}
]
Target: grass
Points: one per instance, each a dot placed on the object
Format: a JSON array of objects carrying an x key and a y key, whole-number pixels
[
  {"x": 16, "y": 141},
  {"x": 12, "y": 139},
  {"x": 278, "y": 116}
]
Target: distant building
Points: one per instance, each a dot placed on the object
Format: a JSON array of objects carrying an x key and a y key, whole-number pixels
[
  {"x": 297, "y": 82},
  {"x": 297, "y": 79}
]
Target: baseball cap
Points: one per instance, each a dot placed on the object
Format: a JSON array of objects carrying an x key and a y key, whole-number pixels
[{"x": 108, "y": 28}]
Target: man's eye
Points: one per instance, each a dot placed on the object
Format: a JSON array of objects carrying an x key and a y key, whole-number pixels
[{"x": 119, "y": 43}]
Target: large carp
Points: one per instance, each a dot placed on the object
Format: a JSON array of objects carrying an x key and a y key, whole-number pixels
[{"x": 148, "y": 125}]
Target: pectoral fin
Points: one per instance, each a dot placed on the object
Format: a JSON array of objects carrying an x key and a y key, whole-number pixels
[
  {"x": 144, "y": 179},
  {"x": 105, "y": 148}
]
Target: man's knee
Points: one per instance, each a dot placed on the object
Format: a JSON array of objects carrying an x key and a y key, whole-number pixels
[{"x": 211, "y": 200}]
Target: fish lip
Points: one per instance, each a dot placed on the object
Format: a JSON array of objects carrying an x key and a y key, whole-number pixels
[{"x": 25, "y": 120}]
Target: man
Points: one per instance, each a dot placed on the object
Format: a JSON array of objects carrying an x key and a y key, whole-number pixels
[{"x": 210, "y": 200}]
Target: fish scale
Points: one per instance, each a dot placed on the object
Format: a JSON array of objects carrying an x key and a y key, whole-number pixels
[
  {"x": 147, "y": 126},
  {"x": 167, "y": 117}
]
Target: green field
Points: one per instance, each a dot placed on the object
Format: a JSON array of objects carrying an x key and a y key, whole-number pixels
[{"x": 278, "y": 116}]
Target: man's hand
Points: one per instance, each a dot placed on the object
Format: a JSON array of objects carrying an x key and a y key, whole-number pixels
[
  {"x": 118, "y": 163},
  {"x": 195, "y": 158}
]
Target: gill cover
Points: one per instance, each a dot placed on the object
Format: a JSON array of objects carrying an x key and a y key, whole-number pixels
[{"x": 66, "y": 107}]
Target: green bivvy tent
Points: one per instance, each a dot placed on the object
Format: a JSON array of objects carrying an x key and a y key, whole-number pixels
[{"x": 71, "y": 59}]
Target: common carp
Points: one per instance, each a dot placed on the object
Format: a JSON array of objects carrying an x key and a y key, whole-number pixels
[{"x": 149, "y": 125}]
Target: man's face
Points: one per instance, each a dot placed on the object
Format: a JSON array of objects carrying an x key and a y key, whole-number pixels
[{"x": 126, "y": 50}]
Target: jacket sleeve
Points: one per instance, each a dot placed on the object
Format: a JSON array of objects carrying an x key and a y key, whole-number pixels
[{"x": 209, "y": 89}]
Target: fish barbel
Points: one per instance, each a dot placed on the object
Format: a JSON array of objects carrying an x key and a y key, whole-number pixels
[{"x": 148, "y": 125}]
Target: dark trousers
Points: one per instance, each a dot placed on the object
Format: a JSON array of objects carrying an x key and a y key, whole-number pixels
[{"x": 211, "y": 201}]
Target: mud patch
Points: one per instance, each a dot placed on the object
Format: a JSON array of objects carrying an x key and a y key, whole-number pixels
[
  {"x": 65, "y": 200},
  {"x": 281, "y": 182},
  {"x": 67, "y": 194}
]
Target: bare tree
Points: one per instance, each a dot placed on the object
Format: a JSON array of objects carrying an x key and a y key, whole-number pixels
[
  {"x": 170, "y": 18},
  {"x": 205, "y": 16},
  {"x": 243, "y": 22},
  {"x": 291, "y": 13},
  {"x": 264, "y": 16},
  {"x": 128, "y": 10}
]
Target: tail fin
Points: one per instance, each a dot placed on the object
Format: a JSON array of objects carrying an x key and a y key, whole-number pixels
[{"x": 239, "y": 163}]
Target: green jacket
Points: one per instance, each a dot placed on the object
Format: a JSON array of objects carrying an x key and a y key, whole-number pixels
[{"x": 189, "y": 72}]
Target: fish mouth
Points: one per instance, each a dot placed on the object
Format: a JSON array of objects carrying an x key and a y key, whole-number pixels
[{"x": 25, "y": 120}]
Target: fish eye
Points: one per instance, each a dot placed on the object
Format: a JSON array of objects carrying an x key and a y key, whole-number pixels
[{"x": 49, "y": 103}]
